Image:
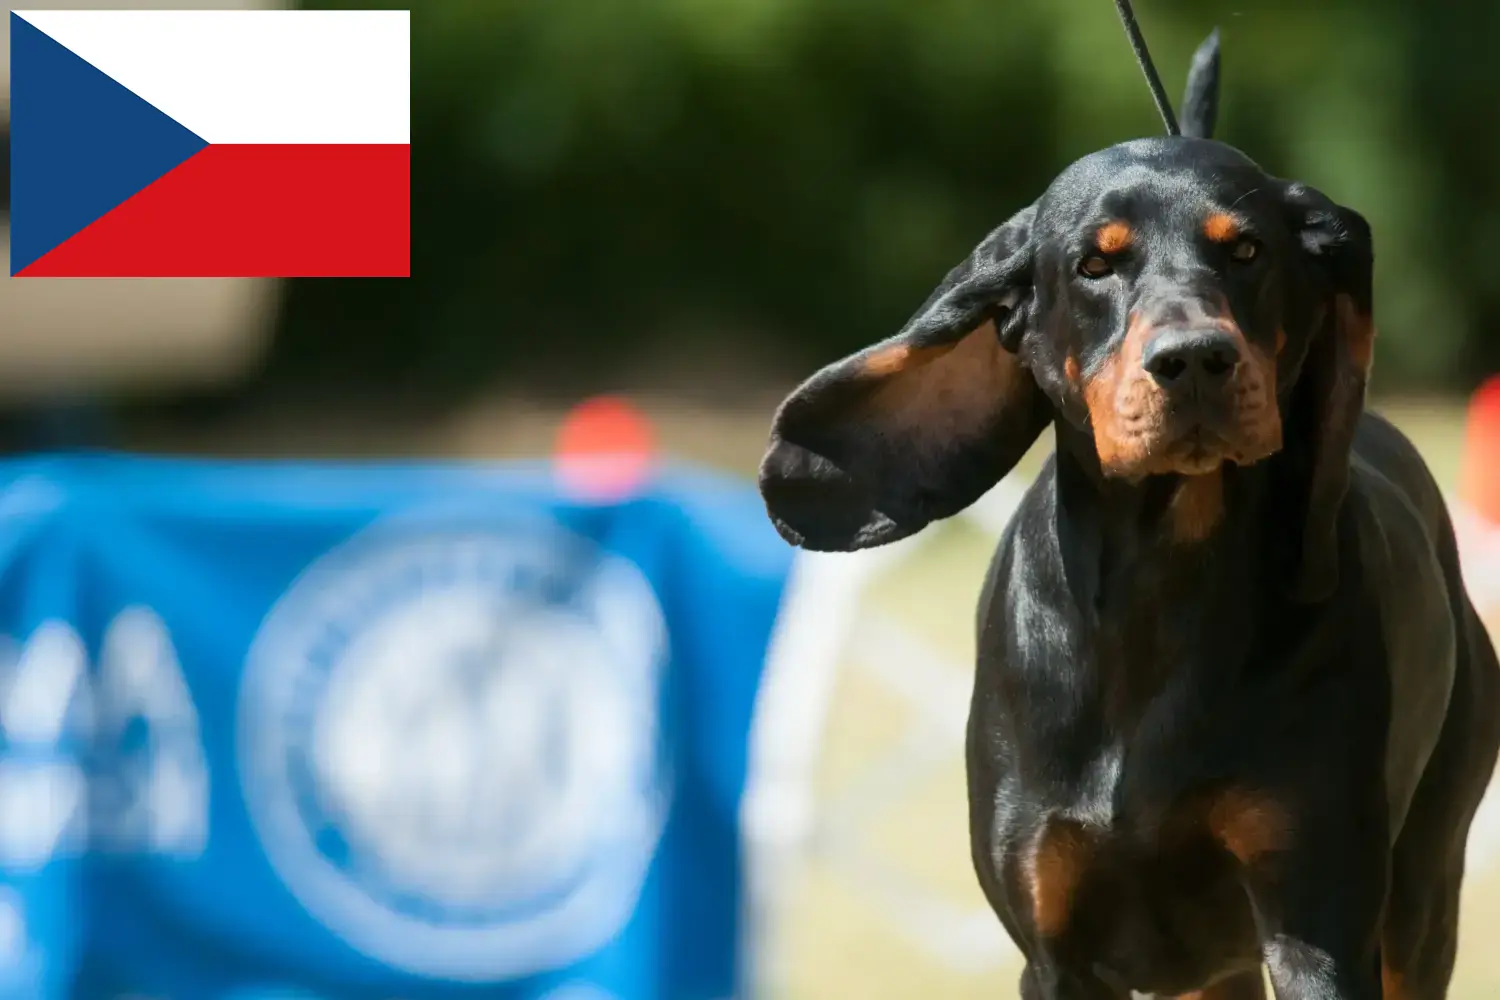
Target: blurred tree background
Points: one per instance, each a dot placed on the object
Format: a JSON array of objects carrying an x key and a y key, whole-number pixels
[{"x": 608, "y": 184}]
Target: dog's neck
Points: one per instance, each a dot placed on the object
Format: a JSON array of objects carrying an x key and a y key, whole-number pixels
[
  {"x": 1178, "y": 521},
  {"x": 1160, "y": 570}
]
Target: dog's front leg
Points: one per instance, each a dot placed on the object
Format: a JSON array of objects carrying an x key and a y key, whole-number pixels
[{"x": 1318, "y": 908}]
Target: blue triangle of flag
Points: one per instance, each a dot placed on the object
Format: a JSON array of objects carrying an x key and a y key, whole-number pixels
[{"x": 80, "y": 143}]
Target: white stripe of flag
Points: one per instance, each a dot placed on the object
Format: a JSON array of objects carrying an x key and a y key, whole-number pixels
[{"x": 255, "y": 76}]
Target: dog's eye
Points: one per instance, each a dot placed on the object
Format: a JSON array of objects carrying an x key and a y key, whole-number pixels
[
  {"x": 1094, "y": 266},
  {"x": 1244, "y": 251}
]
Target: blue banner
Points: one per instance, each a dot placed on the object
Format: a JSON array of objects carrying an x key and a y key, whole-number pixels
[{"x": 341, "y": 731}]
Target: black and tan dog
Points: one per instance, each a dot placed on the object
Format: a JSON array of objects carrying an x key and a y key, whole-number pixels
[{"x": 1233, "y": 705}]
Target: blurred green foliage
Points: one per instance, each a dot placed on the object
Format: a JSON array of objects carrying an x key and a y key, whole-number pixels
[{"x": 595, "y": 180}]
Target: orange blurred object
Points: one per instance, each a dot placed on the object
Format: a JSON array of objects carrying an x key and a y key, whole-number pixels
[
  {"x": 605, "y": 449},
  {"x": 1479, "y": 476}
]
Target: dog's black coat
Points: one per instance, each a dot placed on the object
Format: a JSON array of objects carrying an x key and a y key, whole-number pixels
[{"x": 1232, "y": 705}]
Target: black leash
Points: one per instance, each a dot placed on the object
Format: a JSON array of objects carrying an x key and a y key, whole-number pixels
[{"x": 1143, "y": 57}]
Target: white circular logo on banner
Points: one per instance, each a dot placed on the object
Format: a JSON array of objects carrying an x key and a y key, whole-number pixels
[{"x": 449, "y": 745}]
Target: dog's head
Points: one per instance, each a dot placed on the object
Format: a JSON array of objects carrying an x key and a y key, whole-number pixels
[{"x": 1165, "y": 297}]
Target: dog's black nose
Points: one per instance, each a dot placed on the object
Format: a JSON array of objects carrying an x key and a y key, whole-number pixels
[{"x": 1178, "y": 359}]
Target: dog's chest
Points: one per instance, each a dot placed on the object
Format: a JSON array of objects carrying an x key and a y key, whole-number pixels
[{"x": 1145, "y": 891}]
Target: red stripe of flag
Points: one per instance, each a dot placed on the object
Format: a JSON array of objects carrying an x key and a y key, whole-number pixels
[{"x": 255, "y": 211}]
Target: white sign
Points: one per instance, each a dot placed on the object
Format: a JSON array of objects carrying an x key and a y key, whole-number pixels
[{"x": 449, "y": 746}]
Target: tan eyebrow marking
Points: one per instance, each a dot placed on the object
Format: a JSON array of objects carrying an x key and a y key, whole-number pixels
[
  {"x": 1221, "y": 227},
  {"x": 1112, "y": 237}
]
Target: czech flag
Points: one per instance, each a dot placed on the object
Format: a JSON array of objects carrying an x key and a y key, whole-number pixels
[{"x": 210, "y": 143}]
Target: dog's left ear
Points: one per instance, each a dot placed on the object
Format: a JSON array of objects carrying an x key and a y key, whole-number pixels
[
  {"x": 1330, "y": 392},
  {"x": 874, "y": 447},
  {"x": 1200, "y": 98}
]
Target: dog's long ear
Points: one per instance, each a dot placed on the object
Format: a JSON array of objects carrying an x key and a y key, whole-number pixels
[
  {"x": 1330, "y": 392},
  {"x": 1200, "y": 99},
  {"x": 874, "y": 447}
]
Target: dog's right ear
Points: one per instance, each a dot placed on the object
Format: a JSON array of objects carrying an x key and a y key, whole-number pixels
[
  {"x": 874, "y": 447},
  {"x": 1330, "y": 392},
  {"x": 1200, "y": 100}
]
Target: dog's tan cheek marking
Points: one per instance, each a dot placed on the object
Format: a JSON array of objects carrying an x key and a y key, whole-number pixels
[
  {"x": 1099, "y": 398},
  {"x": 1120, "y": 448},
  {"x": 1220, "y": 227},
  {"x": 1197, "y": 507},
  {"x": 1059, "y": 858},
  {"x": 1249, "y": 824},
  {"x": 1264, "y": 433},
  {"x": 1280, "y": 340},
  {"x": 1113, "y": 237},
  {"x": 1070, "y": 369}
]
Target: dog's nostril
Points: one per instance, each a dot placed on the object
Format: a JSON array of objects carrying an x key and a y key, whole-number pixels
[
  {"x": 1168, "y": 369},
  {"x": 1220, "y": 362}
]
